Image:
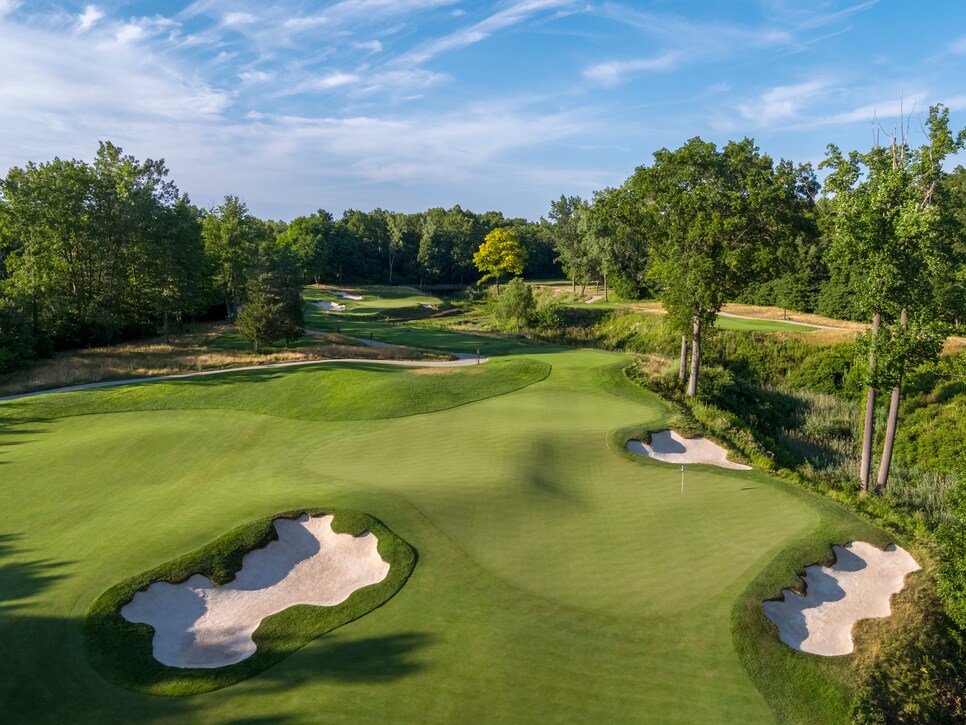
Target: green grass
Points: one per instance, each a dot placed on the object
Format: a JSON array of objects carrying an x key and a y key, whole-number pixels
[
  {"x": 121, "y": 650},
  {"x": 557, "y": 580},
  {"x": 330, "y": 391},
  {"x": 741, "y": 323},
  {"x": 375, "y": 298}
]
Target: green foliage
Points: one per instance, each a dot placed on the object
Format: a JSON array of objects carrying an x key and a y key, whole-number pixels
[
  {"x": 549, "y": 316},
  {"x": 826, "y": 371},
  {"x": 951, "y": 537},
  {"x": 501, "y": 253},
  {"x": 122, "y": 651},
  {"x": 93, "y": 253},
  {"x": 516, "y": 306}
]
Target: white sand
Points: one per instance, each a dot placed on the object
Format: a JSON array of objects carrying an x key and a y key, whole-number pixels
[
  {"x": 347, "y": 296},
  {"x": 332, "y": 306},
  {"x": 858, "y": 586},
  {"x": 593, "y": 299},
  {"x": 199, "y": 624},
  {"x": 670, "y": 447}
]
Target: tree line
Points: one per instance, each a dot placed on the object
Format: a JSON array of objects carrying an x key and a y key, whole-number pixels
[
  {"x": 96, "y": 253},
  {"x": 702, "y": 226}
]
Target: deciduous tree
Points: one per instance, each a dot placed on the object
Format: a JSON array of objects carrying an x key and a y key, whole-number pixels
[{"x": 501, "y": 253}]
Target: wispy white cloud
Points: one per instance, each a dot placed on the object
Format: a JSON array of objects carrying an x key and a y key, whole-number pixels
[
  {"x": 373, "y": 46},
  {"x": 958, "y": 45},
  {"x": 234, "y": 19},
  {"x": 8, "y": 6},
  {"x": 783, "y": 103},
  {"x": 255, "y": 76},
  {"x": 513, "y": 14},
  {"x": 809, "y": 17},
  {"x": 323, "y": 83},
  {"x": 91, "y": 15},
  {"x": 612, "y": 72}
]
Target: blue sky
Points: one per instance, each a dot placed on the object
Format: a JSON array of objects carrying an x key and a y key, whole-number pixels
[{"x": 410, "y": 104}]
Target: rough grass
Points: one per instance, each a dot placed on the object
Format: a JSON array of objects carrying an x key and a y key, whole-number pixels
[
  {"x": 208, "y": 347},
  {"x": 122, "y": 651}
]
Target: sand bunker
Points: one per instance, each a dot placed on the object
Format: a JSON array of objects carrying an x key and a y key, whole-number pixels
[
  {"x": 670, "y": 447},
  {"x": 333, "y": 306},
  {"x": 347, "y": 296},
  {"x": 199, "y": 624},
  {"x": 858, "y": 586}
]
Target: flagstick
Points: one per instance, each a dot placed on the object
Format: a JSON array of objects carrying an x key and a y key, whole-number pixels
[{"x": 682, "y": 480}]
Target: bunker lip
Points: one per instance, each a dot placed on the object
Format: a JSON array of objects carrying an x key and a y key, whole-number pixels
[
  {"x": 670, "y": 447},
  {"x": 200, "y": 625},
  {"x": 859, "y": 585}
]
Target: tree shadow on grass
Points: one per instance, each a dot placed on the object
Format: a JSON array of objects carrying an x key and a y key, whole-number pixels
[
  {"x": 338, "y": 658},
  {"x": 12, "y": 434},
  {"x": 22, "y": 579},
  {"x": 538, "y": 470}
]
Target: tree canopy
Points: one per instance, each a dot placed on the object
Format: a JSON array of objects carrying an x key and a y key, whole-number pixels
[{"x": 500, "y": 253}]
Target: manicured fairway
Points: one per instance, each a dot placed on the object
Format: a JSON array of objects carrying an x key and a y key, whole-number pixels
[
  {"x": 557, "y": 579},
  {"x": 742, "y": 323}
]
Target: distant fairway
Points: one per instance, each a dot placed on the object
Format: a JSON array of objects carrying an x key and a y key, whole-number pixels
[
  {"x": 375, "y": 298},
  {"x": 557, "y": 580},
  {"x": 742, "y": 323}
]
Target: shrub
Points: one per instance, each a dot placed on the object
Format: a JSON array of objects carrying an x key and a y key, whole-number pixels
[
  {"x": 515, "y": 308},
  {"x": 550, "y": 316}
]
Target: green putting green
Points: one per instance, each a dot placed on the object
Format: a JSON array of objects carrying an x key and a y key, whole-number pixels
[
  {"x": 374, "y": 298},
  {"x": 557, "y": 580}
]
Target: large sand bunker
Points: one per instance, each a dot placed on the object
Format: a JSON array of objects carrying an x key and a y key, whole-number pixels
[
  {"x": 670, "y": 447},
  {"x": 857, "y": 586},
  {"x": 347, "y": 296},
  {"x": 331, "y": 306},
  {"x": 199, "y": 624}
]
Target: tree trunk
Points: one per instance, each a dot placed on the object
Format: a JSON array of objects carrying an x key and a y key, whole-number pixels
[
  {"x": 890, "y": 437},
  {"x": 498, "y": 285},
  {"x": 390, "y": 270},
  {"x": 869, "y": 431},
  {"x": 695, "y": 357},
  {"x": 606, "y": 299},
  {"x": 573, "y": 285},
  {"x": 683, "y": 371}
]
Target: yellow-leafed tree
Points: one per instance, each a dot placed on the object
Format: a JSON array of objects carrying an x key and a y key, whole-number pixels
[{"x": 500, "y": 253}]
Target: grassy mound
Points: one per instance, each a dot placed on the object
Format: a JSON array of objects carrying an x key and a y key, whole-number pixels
[
  {"x": 333, "y": 391},
  {"x": 122, "y": 651}
]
